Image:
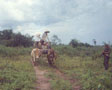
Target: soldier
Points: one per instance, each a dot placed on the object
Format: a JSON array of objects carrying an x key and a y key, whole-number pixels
[{"x": 106, "y": 54}]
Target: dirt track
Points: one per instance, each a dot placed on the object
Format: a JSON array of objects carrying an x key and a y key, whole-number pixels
[{"x": 43, "y": 82}]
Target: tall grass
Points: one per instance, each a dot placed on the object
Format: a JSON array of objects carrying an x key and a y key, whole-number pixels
[
  {"x": 58, "y": 83},
  {"x": 16, "y": 71},
  {"x": 13, "y": 52},
  {"x": 85, "y": 66},
  {"x": 79, "y": 51}
]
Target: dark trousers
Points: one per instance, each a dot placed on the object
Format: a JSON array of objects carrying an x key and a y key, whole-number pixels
[{"x": 106, "y": 62}]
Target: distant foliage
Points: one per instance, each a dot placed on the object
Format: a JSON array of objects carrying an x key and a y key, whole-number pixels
[
  {"x": 75, "y": 43},
  {"x": 55, "y": 40},
  {"x": 9, "y": 38}
]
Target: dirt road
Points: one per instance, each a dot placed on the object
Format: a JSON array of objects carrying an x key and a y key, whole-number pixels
[{"x": 42, "y": 81}]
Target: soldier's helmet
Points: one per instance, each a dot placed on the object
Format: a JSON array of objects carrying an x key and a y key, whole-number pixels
[{"x": 107, "y": 46}]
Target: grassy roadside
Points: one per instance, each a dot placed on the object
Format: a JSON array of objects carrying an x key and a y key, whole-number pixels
[
  {"x": 59, "y": 83},
  {"x": 16, "y": 71},
  {"x": 89, "y": 73}
]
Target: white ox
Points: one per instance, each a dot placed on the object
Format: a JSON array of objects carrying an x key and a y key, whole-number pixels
[{"x": 35, "y": 54}]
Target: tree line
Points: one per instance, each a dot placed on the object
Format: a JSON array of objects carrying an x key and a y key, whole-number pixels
[
  {"x": 9, "y": 38},
  {"x": 75, "y": 43}
]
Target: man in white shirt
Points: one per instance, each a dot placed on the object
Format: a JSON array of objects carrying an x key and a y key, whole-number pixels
[
  {"x": 45, "y": 39},
  {"x": 45, "y": 36}
]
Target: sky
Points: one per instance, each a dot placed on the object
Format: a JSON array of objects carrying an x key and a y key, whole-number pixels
[{"x": 83, "y": 20}]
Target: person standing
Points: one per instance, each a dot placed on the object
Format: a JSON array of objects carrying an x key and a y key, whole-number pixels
[{"x": 106, "y": 54}]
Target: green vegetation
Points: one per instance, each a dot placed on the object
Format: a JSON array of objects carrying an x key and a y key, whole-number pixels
[
  {"x": 81, "y": 64},
  {"x": 86, "y": 66},
  {"x": 16, "y": 71},
  {"x": 9, "y": 38},
  {"x": 58, "y": 83}
]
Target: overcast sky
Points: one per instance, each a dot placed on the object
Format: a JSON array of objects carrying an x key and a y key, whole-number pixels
[{"x": 81, "y": 19}]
